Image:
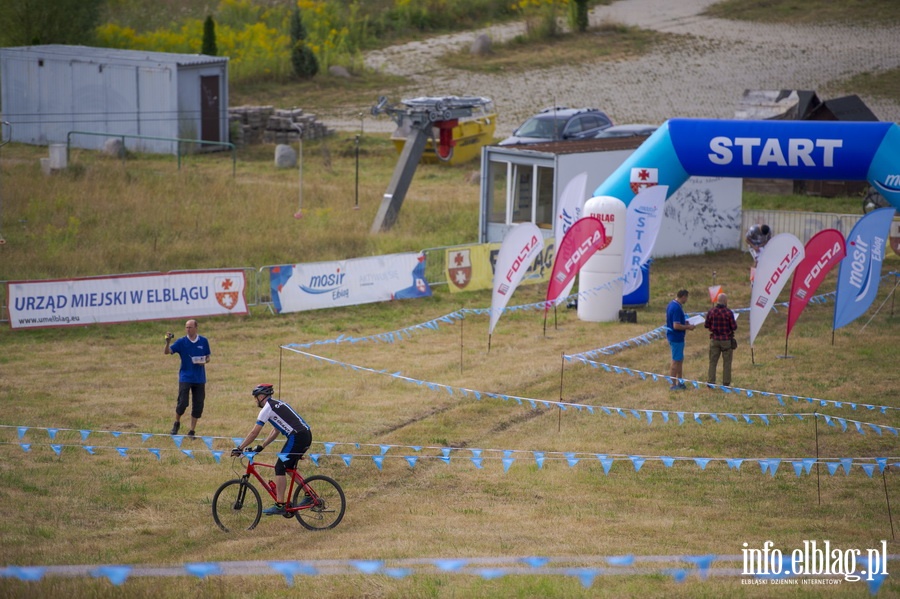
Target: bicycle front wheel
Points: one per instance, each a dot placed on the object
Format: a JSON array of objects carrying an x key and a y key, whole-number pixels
[
  {"x": 328, "y": 503},
  {"x": 237, "y": 506}
]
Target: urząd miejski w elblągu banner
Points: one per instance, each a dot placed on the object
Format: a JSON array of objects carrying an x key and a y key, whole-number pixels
[{"x": 125, "y": 298}]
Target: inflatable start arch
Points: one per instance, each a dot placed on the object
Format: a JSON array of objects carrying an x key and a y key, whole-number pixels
[
  {"x": 823, "y": 150},
  {"x": 815, "y": 150}
]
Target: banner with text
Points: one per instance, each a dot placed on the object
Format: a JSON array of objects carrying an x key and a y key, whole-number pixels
[
  {"x": 776, "y": 265},
  {"x": 859, "y": 272},
  {"x": 125, "y": 298},
  {"x": 823, "y": 251},
  {"x": 580, "y": 242},
  {"x": 470, "y": 268},
  {"x": 518, "y": 251},
  {"x": 315, "y": 285},
  {"x": 570, "y": 209},
  {"x": 643, "y": 221}
]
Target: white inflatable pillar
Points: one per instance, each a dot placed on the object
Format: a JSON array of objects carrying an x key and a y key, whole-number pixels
[{"x": 606, "y": 267}]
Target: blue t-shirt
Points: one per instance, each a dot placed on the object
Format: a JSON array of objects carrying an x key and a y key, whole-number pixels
[
  {"x": 675, "y": 313},
  {"x": 187, "y": 350}
]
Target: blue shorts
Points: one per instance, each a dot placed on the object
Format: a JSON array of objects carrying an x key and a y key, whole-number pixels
[{"x": 677, "y": 351}]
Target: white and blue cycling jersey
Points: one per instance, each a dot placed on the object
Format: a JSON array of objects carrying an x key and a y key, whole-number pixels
[{"x": 282, "y": 416}]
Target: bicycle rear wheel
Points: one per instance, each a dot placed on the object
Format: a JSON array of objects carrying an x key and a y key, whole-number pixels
[
  {"x": 328, "y": 506},
  {"x": 236, "y": 506}
]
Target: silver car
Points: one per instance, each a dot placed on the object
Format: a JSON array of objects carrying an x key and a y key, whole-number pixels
[{"x": 559, "y": 124}]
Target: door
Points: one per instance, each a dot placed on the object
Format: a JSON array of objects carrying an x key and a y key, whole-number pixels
[{"x": 210, "y": 108}]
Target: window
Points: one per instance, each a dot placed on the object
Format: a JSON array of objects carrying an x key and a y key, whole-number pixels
[
  {"x": 496, "y": 192},
  {"x": 544, "y": 213},
  {"x": 529, "y": 189},
  {"x": 522, "y": 193}
]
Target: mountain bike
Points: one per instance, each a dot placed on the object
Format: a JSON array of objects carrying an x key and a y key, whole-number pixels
[{"x": 317, "y": 502}]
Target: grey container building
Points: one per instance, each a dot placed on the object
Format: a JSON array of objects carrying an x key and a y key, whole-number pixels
[{"x": 48, "y": 91}]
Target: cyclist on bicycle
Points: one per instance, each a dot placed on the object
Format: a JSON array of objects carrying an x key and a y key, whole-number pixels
[{"x": 287, "y": 422}]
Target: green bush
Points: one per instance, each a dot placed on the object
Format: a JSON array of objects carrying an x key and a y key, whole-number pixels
[{"x": 303, "y": 59}]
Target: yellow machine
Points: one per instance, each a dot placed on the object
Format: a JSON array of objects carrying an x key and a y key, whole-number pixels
[{"x": 451, "y": 141}]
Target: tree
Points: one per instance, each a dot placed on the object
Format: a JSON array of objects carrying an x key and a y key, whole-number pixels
[
  {"x": 209, "y": 37},
  {"x": 303, "y": 59},
  {"x": 32, "y": 22},
  {"x": 580, "y": 19}
]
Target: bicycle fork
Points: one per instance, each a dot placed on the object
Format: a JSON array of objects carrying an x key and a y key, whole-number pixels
[{"x": 242, "y": 492}]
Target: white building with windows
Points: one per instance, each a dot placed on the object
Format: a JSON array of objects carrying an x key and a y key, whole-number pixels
[{"x": 522, "y": 184}]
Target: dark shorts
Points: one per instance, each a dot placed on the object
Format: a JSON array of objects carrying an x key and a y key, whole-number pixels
[
  {"x": 197, "y": 391},
  {"x": 294, "y": 448}
]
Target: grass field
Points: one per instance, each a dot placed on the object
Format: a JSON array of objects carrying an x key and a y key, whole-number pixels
[
  {"x": 76, "y": 508},
  {"x": 72, "y": 508},
  {"x": 65, "y": 506}
]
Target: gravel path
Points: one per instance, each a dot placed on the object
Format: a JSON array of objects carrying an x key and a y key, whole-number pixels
[{"x": 702, "y": 78}]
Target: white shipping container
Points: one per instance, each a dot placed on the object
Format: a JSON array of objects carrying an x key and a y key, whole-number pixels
[{"x": 50, "y": 93}]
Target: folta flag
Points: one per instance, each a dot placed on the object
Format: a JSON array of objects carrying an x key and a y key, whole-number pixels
[
  {"x": 823, "y": 252},
  {"x": 642, "y": 223},
  {"x": 579, "y": 243},
  {"x": 570, "y": 208},
  {"x": 518, "y": 250},
  {"x": 860, "y": 270},
  {"x": 783, "y": 253}
]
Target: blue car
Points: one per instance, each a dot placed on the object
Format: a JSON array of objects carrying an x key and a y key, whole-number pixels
[{"x": 559, "y": 124}]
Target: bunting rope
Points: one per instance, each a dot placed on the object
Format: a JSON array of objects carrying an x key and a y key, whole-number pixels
[
  {"x": 476, "y": 456},
  {"x": 640, "y": 414},
  {"x": 451, "y": 318},
  {"x": 585, "y": 569},
  {"x": 872, "y": 570},
  {"x": 738, "y": 390}
]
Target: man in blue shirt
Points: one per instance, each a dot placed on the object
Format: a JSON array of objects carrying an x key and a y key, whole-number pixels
[
  {"x": 194, "y": 352},
  {"x": 676, "y": 325}
]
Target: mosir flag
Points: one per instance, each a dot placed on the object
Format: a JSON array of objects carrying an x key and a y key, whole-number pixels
[
  {"x": 823, "y": 252},
  {"x": 783, "y": 253},
  {"x": 518, "y": 250},
  {"x": 570, "y": 208},
  {"x": 860, "y": 270},
  {"x": 580, "y": 242},
  {"x": 642, "y": 223}
]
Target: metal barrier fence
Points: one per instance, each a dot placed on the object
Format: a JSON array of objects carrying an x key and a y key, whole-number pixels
[
  {"x": 176, "y": 140},
  {"x": 436, "y": 263},
  {"x": 802, "y": 224}
]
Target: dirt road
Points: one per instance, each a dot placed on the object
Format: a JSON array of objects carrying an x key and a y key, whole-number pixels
[{"x": 703, "y": 77}]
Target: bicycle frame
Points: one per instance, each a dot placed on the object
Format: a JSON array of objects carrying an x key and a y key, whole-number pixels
[{"x": 295, "y": 477}]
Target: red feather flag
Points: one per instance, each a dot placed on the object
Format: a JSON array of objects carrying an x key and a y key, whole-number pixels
[
  {"x": 579, "y": 243},
  {"x": 823, "y": 252}
]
